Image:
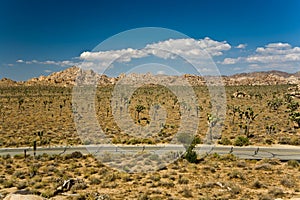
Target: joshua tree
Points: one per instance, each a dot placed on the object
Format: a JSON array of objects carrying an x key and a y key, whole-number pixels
[
  {"x": 212, "y": 121},
  {"x": 295, "y": 116},
  {"x": 139, "y": 108},
  {"x": 274, "y": 104},
  {"x": 249, "y": 117},
  {"x": 235, "y": 109},
  {"x": 20, "y": 102},
  {"x": 293, "y": 106},
  {"x": 270, "y": 129}
]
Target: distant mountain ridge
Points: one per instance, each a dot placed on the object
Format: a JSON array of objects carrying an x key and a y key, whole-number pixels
[{"x": 68, "y": 77}]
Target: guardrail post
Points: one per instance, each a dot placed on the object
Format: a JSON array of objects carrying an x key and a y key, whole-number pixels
[{"x": 34, "y": 148}]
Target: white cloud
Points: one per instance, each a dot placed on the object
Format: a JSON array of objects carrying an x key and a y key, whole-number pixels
[
  {"x": 231, "y": 61},
  {"x": 47, "y": 71},
  {"x": 49, "y": 62},
  {"x": 20, "y": 61},
  {"x": 189, "y": 47},
  {"x": 105, "y": 56},
  {"x": 241, "y": 46},
  {"x": 275, "y": 53},
  {"x": 197, "y": 52},
  {"x": 278, "y": 45},
  {"x": 164, "y": 49},
  {"x": 215, "y": 48},
  {"x": 279, "y": 56}
]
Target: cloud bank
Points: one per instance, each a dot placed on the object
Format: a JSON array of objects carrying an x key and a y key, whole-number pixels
[{"x": 273, "y": 55}]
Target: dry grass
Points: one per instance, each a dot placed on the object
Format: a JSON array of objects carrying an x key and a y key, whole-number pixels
[
  {"x": 213, "y": 178},
  {"x": 24, "y": 111}
]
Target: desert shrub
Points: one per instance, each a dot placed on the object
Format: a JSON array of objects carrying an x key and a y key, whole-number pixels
[
  {"x": 277, "y": 192},
  {"x": 22, "y": 185},
  {"x": 284, "y": 140},
  {"x": 186, "y": 192},
  {"x": 264, "y": 166},
  {"x": 287, "y": 182},
  {"x": 182, "y": 180},
  {"x": 167, "y": 184},
  {"x": 95, "y": 181},
  {"x": 235, "y": 189},
  {"x": 225, "y": 141},
  {"x": 75, "y": 154},
  {"x": 269, "y": 141},
  {"x": 19, "y": 174},
  {"x": 236, "y": 174},
  {"x": 18, "y": 156},
  {"x": 155, "y": 177},
  {"x": 241, "y": 141},
  {"x": 266, "y": 197},
  {"x": 293, "y": 163},
  {"x": 228, "y": 157},
  {"x": 241, "y": 164},
  {"x": 257, "y": 184},
  {"x": 191, "y": 155},
  {"x": 143, "y": 197},
  {"x": 112, "y": 177},
  {"x": 48, "y": 193},
  {"x": 79, "y": 186},
  {"x": 295, "y": 141},
  {"x": 8, "y": 184}
]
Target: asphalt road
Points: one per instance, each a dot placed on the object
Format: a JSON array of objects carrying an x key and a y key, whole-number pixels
[{"x": 249, "y": 152}]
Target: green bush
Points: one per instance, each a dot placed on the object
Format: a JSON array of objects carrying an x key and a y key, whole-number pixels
[
  {"x": 293, "y": 163},
  {"x": 191, "y": 155},
  {"x": 225, "y": 141},
  {"x": 241, "y": 141}
]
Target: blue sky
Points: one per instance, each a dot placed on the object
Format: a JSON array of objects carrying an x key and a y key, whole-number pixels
[{"x": 40, "y": 37}]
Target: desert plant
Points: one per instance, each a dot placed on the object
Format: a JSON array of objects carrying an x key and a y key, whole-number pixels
[
  {"x": 248, "y": 116},
  {"x": 295, "y": 117},
  {"x": 241, "y": 141},
  {"x": 212, "y": 122},
  {"x": 293, "y": 106},
  {"x": 225, "y": 141},
  {"x": 190, "y": 154},
  {"x": 270, "y": 128},
  {"x": 235, "y": 110},
  {"x": 139, "y": 108},
  {"x": 274, "y": 104},
  {"x": 293, "y": 163}
]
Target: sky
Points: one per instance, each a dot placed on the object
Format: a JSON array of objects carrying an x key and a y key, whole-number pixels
[{"x": 40, "y": 37}]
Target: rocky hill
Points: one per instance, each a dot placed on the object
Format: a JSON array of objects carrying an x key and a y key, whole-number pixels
[
  {"x": 69, "y": 77},
  {"x": 7, "y": 82},
  {"x": 74, "y": 75}
]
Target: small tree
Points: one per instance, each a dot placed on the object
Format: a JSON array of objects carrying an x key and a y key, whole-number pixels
[
  {"x": 248, "y": 116},
  {"x": 241, "y": 141},
  {"x": 295, "y": 116},
  {"x": 293, "y": 106},
  {"x": 234, "y": 109},
  {"x": 189, "y": 142},
  {"x": 274, "y": 104},
  {"x": 20, "y": 102},
  {"x": 139, "y": 108},
  {"x": 212, "y": 121}
]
